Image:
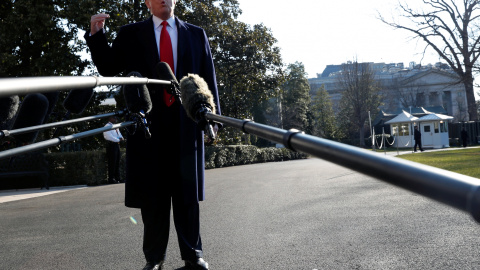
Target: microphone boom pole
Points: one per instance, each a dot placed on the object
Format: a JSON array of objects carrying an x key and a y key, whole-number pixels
[
  {"x": 60, "y": 140},
  {"x": 7, "y": 133},
  {"x": 453, "y": 189},
  {"x": 26, "y": 85}
]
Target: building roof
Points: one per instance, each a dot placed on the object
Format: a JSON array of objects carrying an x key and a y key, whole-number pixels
[
  {"x": 403, "y": 117},
  {"x": 383, "y": 116},
  {"x": 434, "y": 117},
  {"x": 329, "y": 69}
]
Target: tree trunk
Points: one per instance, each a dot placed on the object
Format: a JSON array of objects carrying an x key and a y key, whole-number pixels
[
  {"x": 362, "y": 136},
  {"x": 471, "y": 104}
]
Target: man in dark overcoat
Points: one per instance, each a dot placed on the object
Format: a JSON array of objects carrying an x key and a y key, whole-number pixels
[
  {"x": 167, "y": 169},
  {"x": 417, "y": 136}
]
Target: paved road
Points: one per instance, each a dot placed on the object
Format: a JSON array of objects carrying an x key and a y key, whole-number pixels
[{"x": 307, "y": 214}]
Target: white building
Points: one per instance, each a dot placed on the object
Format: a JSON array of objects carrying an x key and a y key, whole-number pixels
[
  {"x": 415, "y": 86},
  {"x": 433, "y": 127}
]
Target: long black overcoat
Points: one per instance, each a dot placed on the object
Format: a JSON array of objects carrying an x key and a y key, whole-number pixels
[{"x": 148, "y": 160}]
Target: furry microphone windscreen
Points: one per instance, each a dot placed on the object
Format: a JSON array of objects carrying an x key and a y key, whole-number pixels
[
  {"x": 77, "y": 100},
  {"x": 137, "y": 96},
  {"x": 8, "y": 110},
  {"x": 195, "y": 93},
  {"x": 32, "y": 112}
]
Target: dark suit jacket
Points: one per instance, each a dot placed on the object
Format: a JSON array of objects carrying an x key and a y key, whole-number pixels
[
  {"x": 417, "y": 136},
  {"x": 176, "y": 140}
]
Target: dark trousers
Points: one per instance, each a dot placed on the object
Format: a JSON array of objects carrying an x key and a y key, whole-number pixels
[
  {"x": 419, "y": 143},
  {"x": 113, "y": 158},
  {"x": 156, "y": 220}
]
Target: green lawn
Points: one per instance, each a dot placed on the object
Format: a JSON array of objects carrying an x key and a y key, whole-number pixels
[{"x": 464, "y": 161}]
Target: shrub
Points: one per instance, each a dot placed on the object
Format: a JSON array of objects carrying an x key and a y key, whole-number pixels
[{"x": 90, "y": 167}]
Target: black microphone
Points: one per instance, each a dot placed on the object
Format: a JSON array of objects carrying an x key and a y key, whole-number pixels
[
  {"x": 8, "y": 110},
  {"x": 138, "y": 101},
  {"x": 77, "y": 100},
  {"x": 164, "y": 72},
  {"x": 52, "y": 101},
  {"x": 32, "y": 112},
  {"x": 197, "y": 101}
]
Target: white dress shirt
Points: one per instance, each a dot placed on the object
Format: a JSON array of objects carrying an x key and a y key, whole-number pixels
[{"x": 113, "y": 135}]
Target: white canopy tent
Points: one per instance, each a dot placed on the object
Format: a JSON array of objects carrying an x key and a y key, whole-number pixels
[
  {"x": 401, "y": 127},
  {"x": 434, "y": 129}
]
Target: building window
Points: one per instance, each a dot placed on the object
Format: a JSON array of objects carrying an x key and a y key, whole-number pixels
[
  {"x": 394, "y": 130},
  {"x": 443, "y": 127},
  {"x": 405, "y": 131}
]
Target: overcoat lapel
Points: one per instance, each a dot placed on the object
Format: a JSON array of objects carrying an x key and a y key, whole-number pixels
[
  {"x": 147, "y": 35},
  {"x": 181, "y": 47}
]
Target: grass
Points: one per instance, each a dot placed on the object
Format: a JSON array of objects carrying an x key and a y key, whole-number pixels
[{"x": 464, "y": 161}]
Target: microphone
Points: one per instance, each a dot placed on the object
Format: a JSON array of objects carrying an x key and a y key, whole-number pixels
[
  {"x": 138, "y": 101},
  {"x": 52, "y": 101},
  {"x": 32, "y": 112},
  {"x": 164, "y": 72},
  {"x": 8, "y": 110},
  {"x": 77, "y": 100},
  {"x": 197, "y": 101}
]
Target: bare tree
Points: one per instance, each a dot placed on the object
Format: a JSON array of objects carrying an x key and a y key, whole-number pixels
[
  {"x": 406, "y": 95},
  {"x": 450, "y": 27},
  {"x": 360, "y": 94}
]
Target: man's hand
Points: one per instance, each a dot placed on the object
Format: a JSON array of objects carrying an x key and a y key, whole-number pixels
[
  {"x": 209, "y": 140},
  {"x": 97, "y": 22}
]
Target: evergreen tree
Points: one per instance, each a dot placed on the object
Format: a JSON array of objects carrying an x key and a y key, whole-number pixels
[
  {"x": 323, "y": 115},
  {"x": 35, "y": 40},
  {"x": 296, "y": 98}
]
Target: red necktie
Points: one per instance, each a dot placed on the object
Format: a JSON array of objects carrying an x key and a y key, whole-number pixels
[{"x": 166, "y": 55}]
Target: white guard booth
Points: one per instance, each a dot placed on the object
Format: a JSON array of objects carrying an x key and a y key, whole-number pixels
[
  {"x": 434, "y": 129},
  {"x": 401, "y": 128}
]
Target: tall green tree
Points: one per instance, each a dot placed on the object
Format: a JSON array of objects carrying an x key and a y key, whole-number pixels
[
  {"x": 35, "y": 40},
  {"x": 296, "y": 97},
  {"x": 360, "y": 95},
  {"x": 248, "y": 63},
  {"x": 323, "y": 115}
]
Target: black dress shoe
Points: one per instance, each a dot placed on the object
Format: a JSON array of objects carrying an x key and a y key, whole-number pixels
[
  {"x": 158, "y": 266},
  {"x": 151, "y": 266},
  {"x": 148, "y": 266},
  {"x": 198, "y": 264}
]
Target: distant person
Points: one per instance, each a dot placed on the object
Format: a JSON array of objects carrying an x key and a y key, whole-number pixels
[
  {"x": 418, "y": 139},
  {"x": 464, "y": 136},
  {"x": 113, "y": 137}
]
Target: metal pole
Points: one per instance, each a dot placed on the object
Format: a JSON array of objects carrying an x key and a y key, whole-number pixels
[
  {"x": 59, "y": 140},
  {"x": 457, "y": 190},
  {"x": 27, "y": 85},
  {"x": 7, "y": 133},
  {"x": 371, "y": 131}
]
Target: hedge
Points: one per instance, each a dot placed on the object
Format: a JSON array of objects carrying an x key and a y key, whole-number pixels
[{"x": 90, "y": 168}]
